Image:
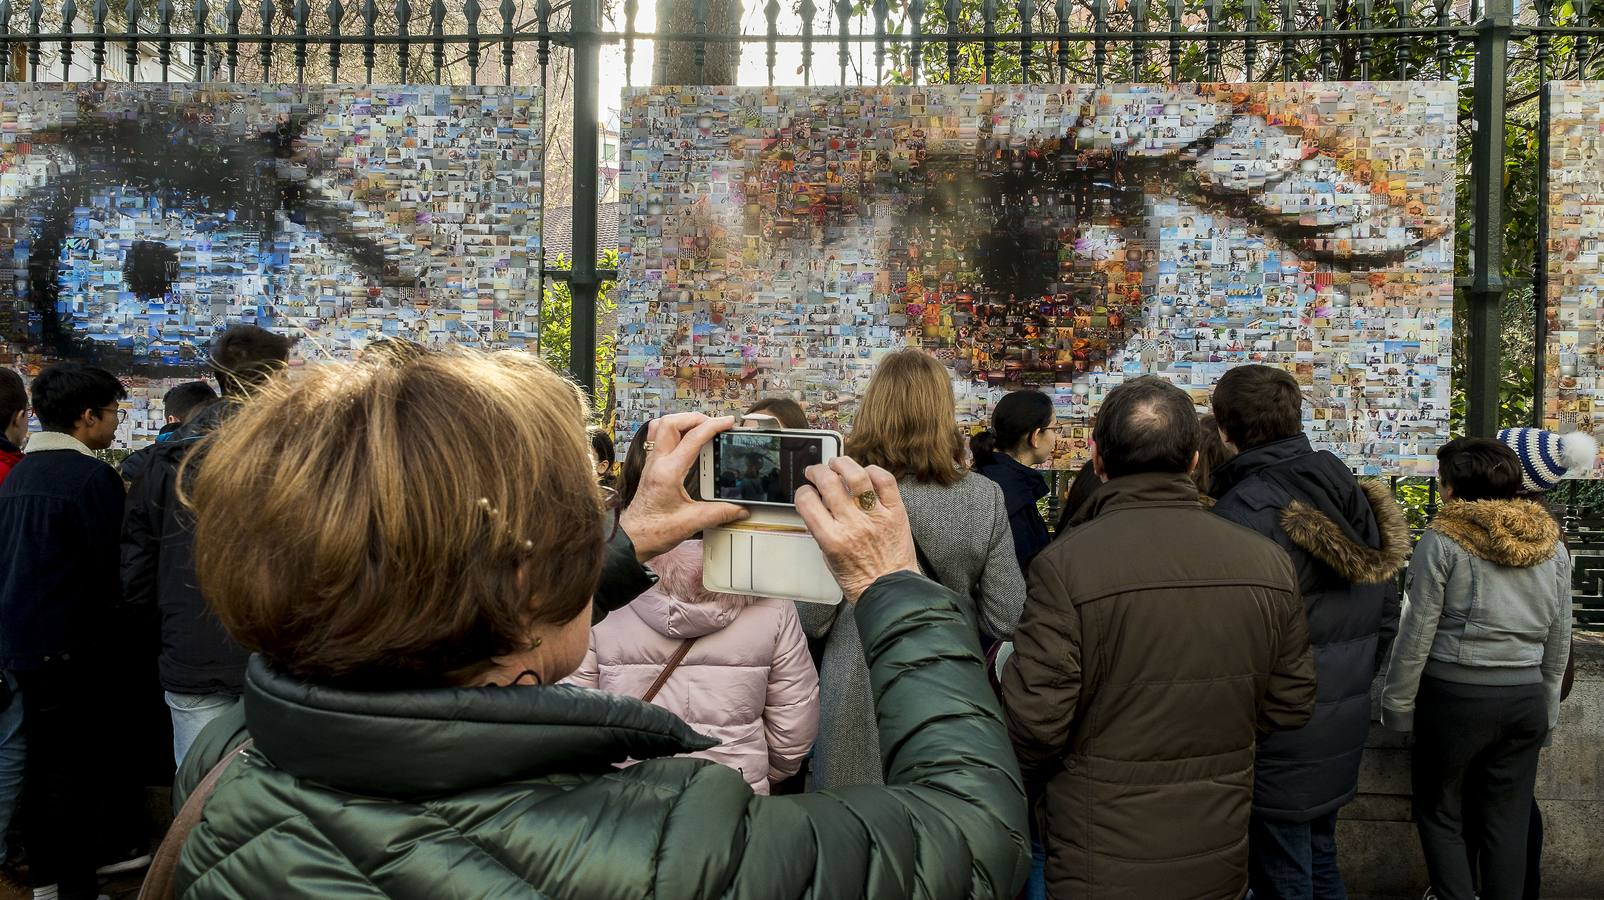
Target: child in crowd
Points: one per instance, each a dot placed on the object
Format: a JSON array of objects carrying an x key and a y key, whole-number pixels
[{"x": 735, "y": 668}]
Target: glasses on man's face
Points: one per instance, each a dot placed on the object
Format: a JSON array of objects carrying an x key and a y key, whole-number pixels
[{"x": 122, "y": 414}]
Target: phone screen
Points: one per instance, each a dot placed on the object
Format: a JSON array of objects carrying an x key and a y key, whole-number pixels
[{"x": 764, "y": 467}]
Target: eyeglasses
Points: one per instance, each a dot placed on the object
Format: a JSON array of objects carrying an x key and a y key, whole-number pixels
[{"x": 122, "y": 414}]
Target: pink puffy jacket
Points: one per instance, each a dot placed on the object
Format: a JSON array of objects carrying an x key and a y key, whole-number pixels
[{"x": 748, "y": 681}]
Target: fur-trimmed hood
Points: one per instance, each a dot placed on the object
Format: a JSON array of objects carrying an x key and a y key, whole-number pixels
[
  {"x": 1330, "y": 543},
  {"x": 1516, "y": 533},
  {"x": 678, "y": 606}
]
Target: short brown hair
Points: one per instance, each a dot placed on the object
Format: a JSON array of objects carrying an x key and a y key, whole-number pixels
[
  {"x": 789, "y": 412},
  {"x": 402, "y": 522},
  {"x": 245, "y": 356},
  {"x": 1256, "y": 405},
  {"x": 907, "y": 423}
]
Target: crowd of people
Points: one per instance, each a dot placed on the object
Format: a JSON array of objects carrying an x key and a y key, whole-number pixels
[{"x": 418, "y": 635}]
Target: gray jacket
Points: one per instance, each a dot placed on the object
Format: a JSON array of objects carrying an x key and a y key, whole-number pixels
[
  {"x": 1488, "y": 601},
  {"x": 963, "y": 530}
]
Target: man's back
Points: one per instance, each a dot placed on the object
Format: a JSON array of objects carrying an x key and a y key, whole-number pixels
[
  {"x": 60, "y": 511},
  {"x": 1170, "y": 640}
]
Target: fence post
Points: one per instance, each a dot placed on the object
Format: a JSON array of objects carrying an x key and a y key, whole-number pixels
[
  {"x": 1487, "y": 288},
  {"x": 582, "y": 283}
]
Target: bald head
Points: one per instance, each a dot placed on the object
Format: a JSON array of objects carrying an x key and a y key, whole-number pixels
[{"x": 1146, "y": 425}]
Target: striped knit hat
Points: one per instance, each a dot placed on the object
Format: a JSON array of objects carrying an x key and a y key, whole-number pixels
[{"x": 1545, "y": 457}]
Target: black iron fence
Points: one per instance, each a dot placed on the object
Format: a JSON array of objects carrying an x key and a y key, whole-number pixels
[{"x": 1501, "y": 54}]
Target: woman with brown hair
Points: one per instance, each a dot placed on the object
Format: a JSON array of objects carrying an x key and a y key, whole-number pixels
[
  {"x": 412, "y": 598},
  {"x": 907, "y": 424}
]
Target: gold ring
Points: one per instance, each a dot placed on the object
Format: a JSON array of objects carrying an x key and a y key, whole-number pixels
[
  {"x": 649, "y": 446},
  {"x": 866, "y": 500}
]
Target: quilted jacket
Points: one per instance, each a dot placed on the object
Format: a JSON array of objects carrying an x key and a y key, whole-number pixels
[
  {"x": 747, "y": 682},
  {"x": 512, "y": 792}
]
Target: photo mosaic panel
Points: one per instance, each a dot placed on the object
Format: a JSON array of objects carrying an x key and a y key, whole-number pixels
[
  {"x": 1573, "y": 398},
  {"x": 1063, "y": 237},
  {"x": 137, "y": 221}
]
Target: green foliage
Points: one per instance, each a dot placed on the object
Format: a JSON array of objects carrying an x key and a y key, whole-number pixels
[{"x": 557, "y": 329}]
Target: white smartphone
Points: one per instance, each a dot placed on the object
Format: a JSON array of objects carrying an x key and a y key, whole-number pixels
[{"x": 763, "y": 467}]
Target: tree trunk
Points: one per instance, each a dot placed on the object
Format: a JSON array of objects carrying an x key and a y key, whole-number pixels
[{"x": 675, "y": 61}]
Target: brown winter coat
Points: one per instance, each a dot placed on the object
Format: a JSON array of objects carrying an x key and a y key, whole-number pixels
[{"x": 1158, "y": 643}]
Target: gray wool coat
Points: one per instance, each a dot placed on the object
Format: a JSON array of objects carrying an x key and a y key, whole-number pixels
[{"x": 963, "y": 530}]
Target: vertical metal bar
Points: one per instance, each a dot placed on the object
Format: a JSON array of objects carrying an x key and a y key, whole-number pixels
[
  {"x": 1250, "y": 46},
  {"x": 233, "y": 11},
  {"x": 370, "y": 19},
  {"x": 843, "y": 21},
  {"x": 69, "y": 12},
  {"x": 336, "y": 13},
  {"x": 198, "y": 49},
  {"x": 1099, "y": 46},
  {"x": 98, "y": 27},
  {"x": 1584, "y": 16},
  {"x": 5, "y": 40},
  {"x": 988, "y": 46},
  {"x": 164, "y": 32},
  {"x": 916, "y": 20},
  {"x": 301, "y": 12},
  {"x": 36, "y": 11},
  {"x": 1328, "y": 46},
  {"x": 699, "y": 48},
  {"x": 1289, "y": 27},
  {"x": 1487, "y": 219},
  {"x": 1175, "y": 44},
  {"x": 771, "y": 17},
  {"x": 1027, "y": 24},
  {"x": 1365, "y": 42},
  {"x": 631, "y": 10},
  {"x": 1401, "y": 49},
  {"x": 131, "y": 38},
  {"x": 437, "y": 31},
  {"x": 807, "y": 10},
  {"x": 1061, "y": 43},
  {"x": 543, "y": 47},
  {"x": 880, "y": 12},
  {"x": 1211, "y": 46},
  {"x": 1445, "y": 43},
  {"x": 951, "y": 11},
  {"x": 1139, "y": 46},
  {"x": 582, "y": 283},
  {"x": 1540, "y": 261},
  {"x": 471, "y": 11},
  {"x": 265, "y": 45},
  {"x": 403, "y": 23},
  {"x": 508, "y": 10}
]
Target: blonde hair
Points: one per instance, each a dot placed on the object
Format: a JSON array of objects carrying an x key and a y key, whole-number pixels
[
  {"x": 907, "y": 423},
  {"x": 399, "y": 522}
]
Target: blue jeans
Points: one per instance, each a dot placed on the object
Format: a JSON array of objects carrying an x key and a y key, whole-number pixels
[
  {"x": 13, "y": 747},
  {"x": 1294, "y": 860},
  {"x": 191, "y": 713},
  {"x": 1036, "y": 884}
]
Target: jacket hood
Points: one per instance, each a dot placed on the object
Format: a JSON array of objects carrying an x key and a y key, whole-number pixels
[
  {"x": 1333, "y": 544},
  {"x": 1516, "y": 533},
  {"x": 1149, "y": 488},
  {"x": 422, "y": 743},
  {"x": 679, "y": 606},
  {"x": 1022, "y": 486}
]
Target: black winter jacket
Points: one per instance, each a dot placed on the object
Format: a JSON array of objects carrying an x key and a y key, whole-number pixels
[
  {"x": 1347, "y": 541},
  {"x": 60, "y": 511},
  {"x": 1022, "y": 486},
  {"x": 158, "y": 570}
]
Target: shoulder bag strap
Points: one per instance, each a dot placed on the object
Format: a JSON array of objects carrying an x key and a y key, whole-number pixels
[
  {"x": 160, "y": 879},
  {"x": 668, "y": 669}
]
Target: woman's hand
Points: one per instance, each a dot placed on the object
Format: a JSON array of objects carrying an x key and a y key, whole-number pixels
[
  {"x": 663, "y": 515},
  {"x": 860, "y": 545}
]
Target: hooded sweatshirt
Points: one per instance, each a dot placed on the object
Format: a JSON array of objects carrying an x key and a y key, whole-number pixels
[
  {"x": 1488, "y": 601},
  {"x": 748, "y": 681}
]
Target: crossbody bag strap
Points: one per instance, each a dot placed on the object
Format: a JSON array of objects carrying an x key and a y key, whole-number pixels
[
  {"x": 668, "y": 669},
  {"x": 161, "y": 878}
]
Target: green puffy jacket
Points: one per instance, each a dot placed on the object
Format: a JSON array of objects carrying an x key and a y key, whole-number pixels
[{"x": 511, "y": 792}]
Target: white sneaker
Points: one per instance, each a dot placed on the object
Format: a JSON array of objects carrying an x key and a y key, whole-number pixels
[{"x": 48, "y": 892}]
